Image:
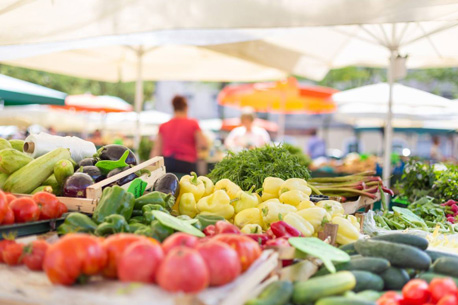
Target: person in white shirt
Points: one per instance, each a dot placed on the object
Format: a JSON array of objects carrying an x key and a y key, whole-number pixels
[{"x": 247, "y": 136}]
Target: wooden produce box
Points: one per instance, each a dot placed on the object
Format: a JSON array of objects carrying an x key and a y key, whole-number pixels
[
  {"x": 351, "y": 207},
  {"x": 21, "y": 286}
]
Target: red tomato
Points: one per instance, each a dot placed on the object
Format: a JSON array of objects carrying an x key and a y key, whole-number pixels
[
  {"x": 9, "y": 217},
  {"x": 3, "y": 206},
  {"x": 179, "y": 239},
  {"x": 72, "y": 256},
  {"x": 25, "y": 210},
  {"x": 449, "y": 299},
  {"x": 62, "y": 209},
  {"x": 10, "y": 198},
  {"x": 34, "y": 254},
  {"x": 390, "y": 298},
  {"x": 140, "y": 261},
  {"x": 222, "y": 262},
  {"x": 416, "y": 292},
  {"x": 114, "y": 246},
  {"x": 183, "y": 269},
  {"x": 3, "y": 244},
  {"x": 48, "y": 204},
  {"x": 440, "y": 287},
  {"x": 12, "y": 254},
  {"x": 247, "y": 249}
]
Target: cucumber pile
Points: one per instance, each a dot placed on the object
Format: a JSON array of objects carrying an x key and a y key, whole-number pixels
[{"x": 377, "y": 264}]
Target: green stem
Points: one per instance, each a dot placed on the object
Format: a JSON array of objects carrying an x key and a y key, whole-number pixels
[
  {"x": 315, "y": 190},
  {"x": 194, "y": 179}
]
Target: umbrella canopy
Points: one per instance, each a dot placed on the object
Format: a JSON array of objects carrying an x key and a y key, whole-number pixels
[
  {"x": 18, "y": 92},
  {"x": 89, "y": 102},
  {"x": 279, "y": 97}
]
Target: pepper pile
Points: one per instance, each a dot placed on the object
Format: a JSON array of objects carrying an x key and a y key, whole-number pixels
[{"x": 281, "y": 200}]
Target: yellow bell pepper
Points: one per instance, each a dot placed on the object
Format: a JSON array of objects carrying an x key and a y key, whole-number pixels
[
  {"x": 270, "y": 188},
  {"x": 190, "y": 184},
  {"x": 334, "y": 208},
  {"x": 209, "y": 186},
  {"x": 293, "y": 197},
  {"x": 346, "y": 233},
  {"x": 272, "y": 210},
  {"x": 251, "y": 229},
  {"x": 217, "y": 203},
  {"x": 245, "y": 200},
  {"x": 187, "y": 205},
  {"x": 248, "y": 216},
  {"x": 229, "y": 187},
  {"x": 299, "y": 223},
  {"x": 354, "y": 221},
  {"x": 295, "y": 184},
  {"x": 316, "y": 216},
  {"x": 306, "y": 204}
]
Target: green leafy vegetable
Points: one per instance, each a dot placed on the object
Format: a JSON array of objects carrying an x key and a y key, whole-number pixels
[{"x": 177, "y": 224}]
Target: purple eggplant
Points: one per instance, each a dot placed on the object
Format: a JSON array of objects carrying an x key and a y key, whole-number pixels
[
  {"x": 76, "y": 184},
  {"x": 114, "y": 152}
]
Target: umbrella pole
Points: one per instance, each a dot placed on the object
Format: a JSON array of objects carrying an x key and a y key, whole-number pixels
[
  {"x": 388, "y": 123},
  {"x": 138, "y": 97}
]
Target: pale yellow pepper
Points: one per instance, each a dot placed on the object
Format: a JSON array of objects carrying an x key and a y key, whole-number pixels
[
  {"x": 306, "y": 204},
  {"x": 229, "y": 187},
  {"x": 217, "y": 203},
  {"x": 334, "y": 208},
  {"x": 293, "y": 197},
  {"x": 271, "y": 187},
  {"x": 245, "y": 200},
  {"x": 248, "y": 216},
  {"x": 295, "y": 184},
  {"x": 354, "y": 221},
  {"x": 346, "y": 233},
  {"x": 187, "y": 205},
  {"x": 209, "y": 186},
  {"x": 251, "y": 229},
  {"x": 272, "y": 210},
  {"x": 316, "y": 216},
  {"x": 305, "y": 227},
  {"x": 190, "y": 184}
]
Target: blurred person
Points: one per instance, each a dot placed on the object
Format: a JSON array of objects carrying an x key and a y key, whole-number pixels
[
  {"x": 97, "y": 138},
  {"x": 247, "y": 136},
  {"x": 316, "y": 146},
  {"x": 179, "y": 139},
  {"x": 435, "y": 151}
]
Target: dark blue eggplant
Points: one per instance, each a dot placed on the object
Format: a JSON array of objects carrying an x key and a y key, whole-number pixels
[
  {"x": 114, "y": 152},
  {"x": 167, "y": 184}
]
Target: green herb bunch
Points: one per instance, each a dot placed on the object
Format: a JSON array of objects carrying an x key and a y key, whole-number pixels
[{"x": 251, "y": 167}]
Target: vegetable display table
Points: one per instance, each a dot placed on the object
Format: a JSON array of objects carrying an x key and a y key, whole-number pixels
[{"x": 21, "y": 286}]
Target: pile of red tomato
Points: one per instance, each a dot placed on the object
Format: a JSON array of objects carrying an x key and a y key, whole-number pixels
[
  {"x": 40, "y": 206},
  {"x": 441, "y": 291},
  {"x": 182, "y": 263}
]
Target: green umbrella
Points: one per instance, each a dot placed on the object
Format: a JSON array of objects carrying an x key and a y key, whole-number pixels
[{"x": 15, "y": 92}]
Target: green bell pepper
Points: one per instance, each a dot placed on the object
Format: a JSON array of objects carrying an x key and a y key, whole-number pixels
[
  {"x": 159, "y": 231},
  {"x": 145, "y": 231},
  {"x": 111, "y": 225},
  {"x": 165, "y": 200},
  {"x": 207, "y": 220},
  {"x": 148, "y": 208},
  {"x": 114, "y": 200},
  {"x": 137, "y": 219},
  {"x": 133, "y": 227},
  {"x": 77, "y": 222}
]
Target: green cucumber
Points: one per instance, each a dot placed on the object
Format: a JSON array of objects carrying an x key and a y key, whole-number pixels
[
  {"x": 446, "y": 266},
  {"x": 17, "y": 144},
  {"x": 3, "y": 178},
  {"x": 52, "y": 182},
  {"x": 438, "y": 254},
  {"x": 32, "y": 175},
  {"x": 394, "y": 278},
  {"x": 429, "y": 276},
  {"x": 62, "y": 170},
  {"x": 370, "y": 264},
  {"x": 406, "y": 239},
  {"x": 319, "y": 287},
  {"x": 11, "y": 160},
  {"x": 368, "y": 295},
  {"x": 397, "y": 254},
  {"x": 276, "y": 293},
  {"x": 349, "y": 248},
  {"x": 344, "y": 301},
  {"x": 367, "y": 281}
]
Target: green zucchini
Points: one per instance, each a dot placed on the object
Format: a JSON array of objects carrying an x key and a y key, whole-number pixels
[
  {"x": 349, "y": 248},
  {"x": 406, "y": 239},
  {"x": 17, "y": 144},
  {"x": 3, "y": 178},
  {"x": 319, "y": 287},
  {"x": 42, "y": 188},
  {"x": 52, "y": 182},
  {"x": 368, "y": 295},
  {"x": 429, "y": 276},
  {"x": 11, "y": 160},
  {"x": 394, "y": 278},
  {"x": 344, "y": 301},
  {"x": 276, "y": 293},
  {"x": 32, "y": 175},
  {"x": 438, "y": 254},
  {"x": 367, "y": 281},
  {"x": 397, "y": 254},
  {"x": 4, "y": 144},
  {"x": 446, "y": 266},
  {"x": 370, "y": 264},
  {"x": 62, "y": 170}
]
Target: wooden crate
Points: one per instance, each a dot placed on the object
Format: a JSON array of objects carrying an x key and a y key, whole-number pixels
[
  {"x": 94, "y": 192},
  {"x": 22, "y": 286}
]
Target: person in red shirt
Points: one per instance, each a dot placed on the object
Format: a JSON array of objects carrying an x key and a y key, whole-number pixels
[{"x": 179, "y": 139}]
